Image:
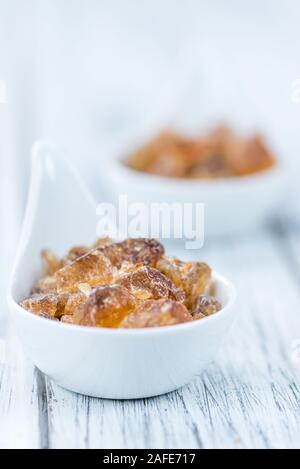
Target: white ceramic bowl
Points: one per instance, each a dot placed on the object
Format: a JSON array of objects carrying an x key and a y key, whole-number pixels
[
  {"x": 108, "y": 363},
  {"x": 232, "y": 205}
]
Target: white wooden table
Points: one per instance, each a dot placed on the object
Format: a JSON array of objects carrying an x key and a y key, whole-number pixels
[{"x": 249, "y": 398}]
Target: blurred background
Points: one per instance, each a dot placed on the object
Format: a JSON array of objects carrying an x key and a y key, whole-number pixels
[{"x": 84, "y": 74}]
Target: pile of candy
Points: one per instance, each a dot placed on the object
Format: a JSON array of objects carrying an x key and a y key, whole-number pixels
[
  {"x": 220, "y": 154},
  {"x": 130, "y": 284}
]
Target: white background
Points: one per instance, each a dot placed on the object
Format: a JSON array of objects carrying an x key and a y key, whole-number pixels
[{"x": 83, "y": 73}]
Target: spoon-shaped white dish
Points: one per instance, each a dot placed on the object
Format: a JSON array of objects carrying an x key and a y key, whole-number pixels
[{"x": 108, "y": 363}]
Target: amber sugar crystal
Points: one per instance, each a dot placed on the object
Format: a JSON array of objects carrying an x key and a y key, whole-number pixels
[{"x": 130, "y": 284}]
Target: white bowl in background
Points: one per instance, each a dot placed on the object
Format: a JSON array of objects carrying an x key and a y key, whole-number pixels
[
  {"x": 101, "y": 362},
  {"x": 232, "y": 205}
]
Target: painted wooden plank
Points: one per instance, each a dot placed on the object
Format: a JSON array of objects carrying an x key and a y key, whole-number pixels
[
  {"x": 249, "y": 398},
  {"x": 23, "y": 415}
]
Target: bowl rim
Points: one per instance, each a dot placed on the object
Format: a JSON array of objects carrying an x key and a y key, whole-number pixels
[
  {"x": 232, "y": 294},
  {"x": 134, "y": 139}
]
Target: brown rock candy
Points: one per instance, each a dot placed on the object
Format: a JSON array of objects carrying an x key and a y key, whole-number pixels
[
  {"x": 191, "y": 277},
  {"x": 40, "y": 304},
  {"x": 134, "y": 251},
  {"x": 148, "y": 283},
  {"x": 94, "y": 268},
  {"x": 45, "y": 285},
  {"x": 107, "y": 306},
  {"x": 157, "y": 313},
  {"x": 206, "y": 306},
  {"x": 50, "y": 262}
]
